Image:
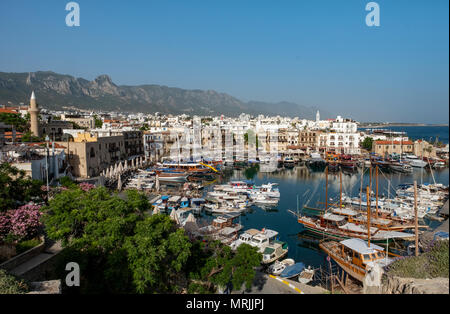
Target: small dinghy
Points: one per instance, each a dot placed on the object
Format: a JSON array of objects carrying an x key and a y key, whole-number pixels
[
  {"x": 306, "y": 275},
  {"x": 278, "y": 267},
  {"x": 293, "y": 270}
]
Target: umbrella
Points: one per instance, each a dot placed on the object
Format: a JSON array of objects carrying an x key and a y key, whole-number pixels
[
  {"x": 191, "y": 224},
  {"x": 139, "y": 184},
  {"x": 157, "y": 183},
  {"x": 119, "y": 183},
  {"x": 126, "y": 166},
  {"x": 174, "y": 216},
  {"x": 132, "y": 164}
]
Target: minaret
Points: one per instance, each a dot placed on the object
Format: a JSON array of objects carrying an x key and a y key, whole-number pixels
[
  {"x": 34, "y": 115},
  {"x": 317, "y": 116}
]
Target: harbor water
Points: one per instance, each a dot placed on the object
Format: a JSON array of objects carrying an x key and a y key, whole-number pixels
[{"x": 309, "y": 186}]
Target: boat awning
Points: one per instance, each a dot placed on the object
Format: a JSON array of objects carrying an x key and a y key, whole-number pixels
[
  {"x": 360, "y": 246},
  {"x": 333, "y": 217},
  {"x": 345, "y": 211},
  {"x": 175, "y": 198},
  {"x": 268, "y": 250}
]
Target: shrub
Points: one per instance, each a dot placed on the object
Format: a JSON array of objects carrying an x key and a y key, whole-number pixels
[
  {"x": 20, "y": 224},
  {"x": 433, "y": 263},
  {"x": 10, "y": 285}
]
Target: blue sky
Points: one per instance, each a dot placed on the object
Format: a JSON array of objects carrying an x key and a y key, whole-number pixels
[{"x": 312, "y": 52}]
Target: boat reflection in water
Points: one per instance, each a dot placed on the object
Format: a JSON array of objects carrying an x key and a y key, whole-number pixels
[{"x": 309, "y": 187}]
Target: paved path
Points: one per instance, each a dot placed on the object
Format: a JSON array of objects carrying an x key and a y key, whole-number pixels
[
  {"x": 264, "y": 284},
  {"x": 48, "y": 253}
]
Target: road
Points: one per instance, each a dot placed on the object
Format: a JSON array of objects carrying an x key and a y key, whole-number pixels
[{"x": 264, "y": 284}]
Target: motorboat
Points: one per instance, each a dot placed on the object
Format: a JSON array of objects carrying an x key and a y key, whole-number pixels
[
  {"x": 274, "y": 251},
  {"x": 292, "y": 271},
  {"x": 306, "y": 275},
  {"x": 414, "y": 161},
  {"x": 277, "y": 267}
]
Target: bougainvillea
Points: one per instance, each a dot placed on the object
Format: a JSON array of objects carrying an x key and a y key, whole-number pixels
[
  {"x": 86, "y": 186},
  {"x": 22, "y": 223},
  {"x": 5, "y": 225}
]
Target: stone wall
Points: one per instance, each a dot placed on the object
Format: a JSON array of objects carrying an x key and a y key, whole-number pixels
[
  {"x": 23, "y": 257},
  {"x": 398, "y": 285}
]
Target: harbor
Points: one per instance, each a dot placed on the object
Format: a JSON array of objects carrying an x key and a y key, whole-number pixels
[{"x": 243, "y": 204}]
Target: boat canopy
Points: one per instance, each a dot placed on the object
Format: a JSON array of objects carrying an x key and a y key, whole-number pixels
[
  {"x": 345, "y": 211},
  {"x": 292, "y": 270},
  {"x": 175, "y": 198},
  {"x": 360, "y": 246},
  {"x": 268, "y": 250},
  {"x": 333, "y": 217}
]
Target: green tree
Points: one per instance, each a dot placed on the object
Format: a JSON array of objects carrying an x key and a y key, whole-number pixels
[
  {"x": 92, "y": 219},
  {"x": 157, "y": 254},
  {"x": 367, "y": 143},
  {"x": 15, "y": 120},
  {"x": 223, "y": 266},
  {"x": 98, "y": 122},
  {"x": 144, "y": 127},
  {"x": 17, "y": 189}
]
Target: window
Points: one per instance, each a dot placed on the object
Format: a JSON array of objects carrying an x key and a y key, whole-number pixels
[{"x": 366, "y": 257}]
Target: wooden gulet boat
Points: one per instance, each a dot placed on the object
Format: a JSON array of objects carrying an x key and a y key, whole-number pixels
[
  {"x": 355, "y": 256},
  {"x": 337, "y": 227}
]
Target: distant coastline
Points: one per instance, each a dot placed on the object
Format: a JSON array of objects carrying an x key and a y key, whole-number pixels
[{"x": 375, "y": 125}]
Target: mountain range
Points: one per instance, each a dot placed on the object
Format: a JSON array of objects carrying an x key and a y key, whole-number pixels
[{"x": 53, "y": 91}]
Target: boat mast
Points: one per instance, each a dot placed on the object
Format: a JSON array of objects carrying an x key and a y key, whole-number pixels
[
  {"x": 340, "y": 197},
  {"x": 415, "y": 219},
  {"x": 326, "y": 189},
  {"x": 421, "y": 169},
  {"x": 376, "y": 179},
  {"x": 360, "y": 191},
  {"x": 368, "y": 216}
]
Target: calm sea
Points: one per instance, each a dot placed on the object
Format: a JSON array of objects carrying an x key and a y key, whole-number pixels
[
  {"x": 309, "y": 186},
  {"x": 427, "y": 133}
]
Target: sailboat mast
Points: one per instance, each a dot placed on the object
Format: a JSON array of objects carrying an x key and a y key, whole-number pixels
[
  {"x": 368, "y": 217},
  {"x": 416, "y": 220},
  {"x": 340, "y": 198},
  {"x": 326, "y": 189},
  {"x": 360, "y": 191},
  {"x": 376, "y": 179}
]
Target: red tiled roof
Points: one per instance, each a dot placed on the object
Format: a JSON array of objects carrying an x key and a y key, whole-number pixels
[
  {"x": 3, "y": 110},
  {"x": 8, "y": 135},
  {"x": 393, "y": 142}
]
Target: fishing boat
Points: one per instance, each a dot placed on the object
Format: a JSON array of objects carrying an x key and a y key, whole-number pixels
[
  {"x": 292, "y": 271},
  {"x": 400, "y": 167},
  {"x": 173, "y": 176},
  {"x": 223, "y": 228},
  {"x": 316, "y": 161},
  {"x": 414, "y": 161},
  {"x": 265, "y": 200},
  {"x": 289, "y": 162},
  {"x": 348, "y": 163},
  {"x": 277, "y": 267},
  {"x": 306, "y": 275},
  {"x": 274, "y": 251},
  {"x": 354, "y": 256}
]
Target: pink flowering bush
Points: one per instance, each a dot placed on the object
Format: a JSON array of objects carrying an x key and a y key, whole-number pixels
[
  {"x": 86, "y": 186},
  {"x": 21, "y": 224}
]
